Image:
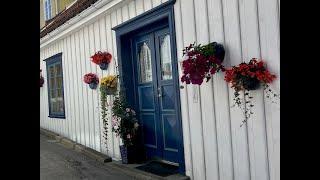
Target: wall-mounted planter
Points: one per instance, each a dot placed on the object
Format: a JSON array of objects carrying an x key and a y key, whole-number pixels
[
  {"x": 91, "y": 79},
  {"x": 102, "y": 59},
  {"x": 104, "y": 66},
  {"x": 93, "y": 85}
]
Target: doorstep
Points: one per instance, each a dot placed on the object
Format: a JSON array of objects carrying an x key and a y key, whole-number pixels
[{"x": 130, "y": 169}]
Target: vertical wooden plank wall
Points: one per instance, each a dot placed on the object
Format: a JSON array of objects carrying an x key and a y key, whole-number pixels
[
  {"x": 215, "y": 146},
  {"x": 83, "y": 123},
  {"x": 247, "y": 29}
]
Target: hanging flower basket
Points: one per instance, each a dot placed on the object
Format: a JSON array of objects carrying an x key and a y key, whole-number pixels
[
  {"x": 93, "y": 85},
  {"x": 247, "y": 77},
  {"x": 41, "y": 79},
  {"x": 109, "y": 85},
  {"x": 102, "y": 59},
  {"x": 201, "y": 62},
  {"x": 103, "y": 66},
  {"x": 92, "y": 80}
]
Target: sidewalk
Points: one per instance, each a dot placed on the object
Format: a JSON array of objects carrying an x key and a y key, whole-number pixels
[{"x": 61, "y": 158}]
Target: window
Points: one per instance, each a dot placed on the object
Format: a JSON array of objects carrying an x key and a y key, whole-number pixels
[
  {"x": 55, "y": 86},
  {"x": 47, "y": 9}
]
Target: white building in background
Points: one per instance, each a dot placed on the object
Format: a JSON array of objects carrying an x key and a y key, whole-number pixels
[{"x": 194, "y": 127}]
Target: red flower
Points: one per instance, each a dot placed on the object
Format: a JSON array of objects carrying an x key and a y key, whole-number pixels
[
  {"x": 247, "y": 71},
  {"x": 200, "y": 64},
  {"x": 101, "y": 57},
  {"x": 91, "y": 78}
]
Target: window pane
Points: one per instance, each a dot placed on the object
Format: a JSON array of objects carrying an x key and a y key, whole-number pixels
[
  {"x": 60, "y": 107},
  {"x": 166, "y": 65},
  {"x": 58, "y": 69},
  {"x": 59, "y": 93},
  {"x": 59, "y": 82},
  {"x": 144, "y": 58},
  {"x": 51, "y": 71},
  {"x": 51, "y": 83}
]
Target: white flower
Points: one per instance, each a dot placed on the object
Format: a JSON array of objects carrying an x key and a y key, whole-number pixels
[{"x": 136, "y": 125}]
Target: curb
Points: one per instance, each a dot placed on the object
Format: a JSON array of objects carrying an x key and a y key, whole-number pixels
[{"x": 75, "y": 146}]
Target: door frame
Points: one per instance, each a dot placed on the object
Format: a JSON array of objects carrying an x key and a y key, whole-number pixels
[{"x": 164, "y": 11}]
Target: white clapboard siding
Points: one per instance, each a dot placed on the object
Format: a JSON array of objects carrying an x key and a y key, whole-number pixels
[
  {"x": 233, "y": 57},
  {"x": 215, "y": 146},
  {"x": 183, "y": 94},
  {"x": 270, "y": 51},
  {"x": 155, "y": 3},
  {"x": 147, "y": 5},
  {"x": 207, "y": 99},
  {"x": 257, "y": 123},
  {"x": 195, "y": 115}
]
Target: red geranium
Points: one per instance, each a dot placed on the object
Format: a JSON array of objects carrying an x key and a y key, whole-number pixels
[
  {"x": 91, "y": 78},
  {"x": 201, "y": 62},
  {"x": 246, "y": 77},
  {"x": 101, "y": 57}
]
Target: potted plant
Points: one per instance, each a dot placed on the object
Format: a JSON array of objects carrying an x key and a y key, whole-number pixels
[
  {"x": 102, "y": 59},
  {"x": 247, "y": 77},
  {"x": 109, "y": 84},
  {"x": 41, "y": 79},
  {"x": 125, "y": 125},
  {"x": 92, "y": 80},
  {"x": 202, "y": 61}
]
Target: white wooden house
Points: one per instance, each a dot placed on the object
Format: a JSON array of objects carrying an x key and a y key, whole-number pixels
[{"x": 210, "y": 143}]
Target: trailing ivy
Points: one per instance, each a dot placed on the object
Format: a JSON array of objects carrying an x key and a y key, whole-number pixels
[{"x": 104, "y": 114}]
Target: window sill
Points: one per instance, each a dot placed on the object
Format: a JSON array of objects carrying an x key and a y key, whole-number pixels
[{"x": 57, "y": 116}]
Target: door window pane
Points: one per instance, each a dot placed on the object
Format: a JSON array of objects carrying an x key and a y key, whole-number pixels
[
  {"x": 166, "y": 65},
  {"x": 144, "y": 60}
]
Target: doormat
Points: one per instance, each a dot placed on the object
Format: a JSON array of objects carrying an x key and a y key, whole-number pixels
[{"x": 158, "y": 168}]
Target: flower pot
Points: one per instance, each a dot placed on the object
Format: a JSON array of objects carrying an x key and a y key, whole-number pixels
[
  {"x": 104, "y": 66},
  {"x": 111, "y": 91},
  {"x": 251, "y": 84},
  {"x": 41, "y": 81},
  {"x": 219, "y": 50},
  {"x": 93, "y": 85},
  {"x": 128, "y": 154}
]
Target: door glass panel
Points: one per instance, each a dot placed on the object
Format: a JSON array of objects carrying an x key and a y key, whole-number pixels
[
  {"x": 166, "y": 65},
  {"x": 145, "y": 66}
]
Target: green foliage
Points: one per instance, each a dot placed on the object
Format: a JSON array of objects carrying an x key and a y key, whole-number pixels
[
  {"x": 124, "y": 121},
  {"x": 104, "y": 109}
]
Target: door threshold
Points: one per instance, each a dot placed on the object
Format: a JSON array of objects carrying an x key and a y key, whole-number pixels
[{"x": 168, "y": 162}]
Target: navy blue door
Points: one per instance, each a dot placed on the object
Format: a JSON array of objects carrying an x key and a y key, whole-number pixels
[{"x": 156, "y": 94}]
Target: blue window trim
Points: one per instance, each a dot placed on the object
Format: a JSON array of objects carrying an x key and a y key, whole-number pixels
[
  {"x": 55, "y": 59},
  {"x": 163, "y": 11}
]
